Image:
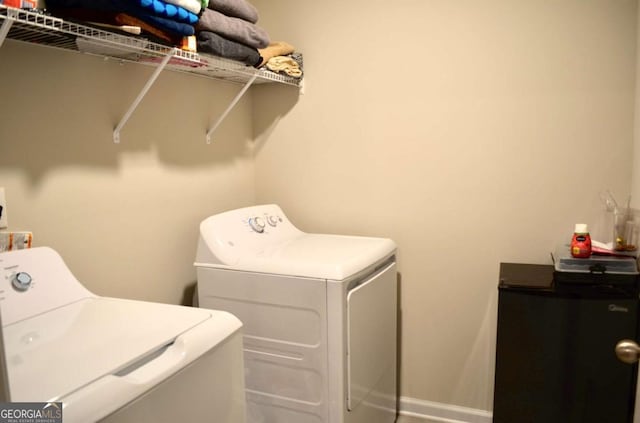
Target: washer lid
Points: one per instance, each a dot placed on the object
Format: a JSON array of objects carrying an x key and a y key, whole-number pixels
[
  {"x": 55, "y": 353},
  {"x": 334, "y": 257}
]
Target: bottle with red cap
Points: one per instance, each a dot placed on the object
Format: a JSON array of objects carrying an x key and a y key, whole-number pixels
[{"x": 581, "y": 241}]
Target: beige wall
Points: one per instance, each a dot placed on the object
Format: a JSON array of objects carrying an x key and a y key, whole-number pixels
[
  {"x": 125, "y": 217},
  {"x": 635, "y": 182},
  {"x": 470, "y": 132}
]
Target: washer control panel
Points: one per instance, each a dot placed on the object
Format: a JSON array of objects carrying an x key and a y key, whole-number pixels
[{"x": 33, "y": 281}]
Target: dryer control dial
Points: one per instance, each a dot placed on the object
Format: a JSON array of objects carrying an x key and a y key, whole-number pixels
[
  {"x": 257, "y": 224},
  {"x": 21, "y": 281},
  {"x": 273, "y": 220}
]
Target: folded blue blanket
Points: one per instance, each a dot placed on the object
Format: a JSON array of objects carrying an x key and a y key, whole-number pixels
[
  {"x": 134, "y": 7},
  {"x": 168, "y": 10},
  {"x": 193, "y": 6},
  {"x": 169, "y": 25}
]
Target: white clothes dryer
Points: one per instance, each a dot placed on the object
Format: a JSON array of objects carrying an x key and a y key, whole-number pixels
[
  {"x": 319, "y": 314},
  {"x": 113, "y": 360}
]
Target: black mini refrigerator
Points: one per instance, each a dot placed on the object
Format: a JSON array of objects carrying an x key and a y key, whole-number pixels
[{"x": 557, "y": 335}]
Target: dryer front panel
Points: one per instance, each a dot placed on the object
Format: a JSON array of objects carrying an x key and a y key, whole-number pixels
[{"x": 284, "y": 337}]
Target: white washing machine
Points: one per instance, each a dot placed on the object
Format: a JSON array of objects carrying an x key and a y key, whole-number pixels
[
  {"x": 114, "y": 360},
  {"x": 319, "y": 315}
]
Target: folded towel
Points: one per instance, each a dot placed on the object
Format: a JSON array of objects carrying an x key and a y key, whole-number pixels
[
  {"x": 298, "y": 58},
  {"x": 236, "y": 8},
  {"x": 284, "y": 64},
  {"x": 278, "y": 48},
  {"x": 212, "y": 43},
  {"x": 233, "y": 29},
  {"x": 193, "y": 6}
]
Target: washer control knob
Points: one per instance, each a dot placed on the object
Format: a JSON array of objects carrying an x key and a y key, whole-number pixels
[
  {"x": 257, "y": 224},
  {"x": 273, "y": 220},
  {"x": 21, "y": 281}
]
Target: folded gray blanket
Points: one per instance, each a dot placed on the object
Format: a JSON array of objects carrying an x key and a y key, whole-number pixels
[
  {"x": 236, "y": 8},
  {"x": 234, "y": 29},
  {"x": 212, "y": 43}
]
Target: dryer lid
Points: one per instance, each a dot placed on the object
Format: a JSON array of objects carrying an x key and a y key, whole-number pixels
[
  {"x": 321, "y": 256},
  {"x": 53, "y": 354},
  {"x": 262, "y": 239}
]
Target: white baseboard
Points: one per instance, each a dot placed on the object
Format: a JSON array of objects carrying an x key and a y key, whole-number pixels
[{"x": 438, "y": 412}]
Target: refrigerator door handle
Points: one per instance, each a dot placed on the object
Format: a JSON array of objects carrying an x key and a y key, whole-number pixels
[{"x": 627, "y": 351}]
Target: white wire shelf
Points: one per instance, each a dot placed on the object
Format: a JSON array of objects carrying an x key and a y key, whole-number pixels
[
  {"x": 34, "y": 27},
  {"x": 37, "y": 28}
]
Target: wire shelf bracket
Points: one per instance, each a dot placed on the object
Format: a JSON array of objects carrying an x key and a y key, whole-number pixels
[
  {"x": 4, "y": 30},
  {"x": 145, "y": 89},
  {"x": 230, "y": 106}
]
